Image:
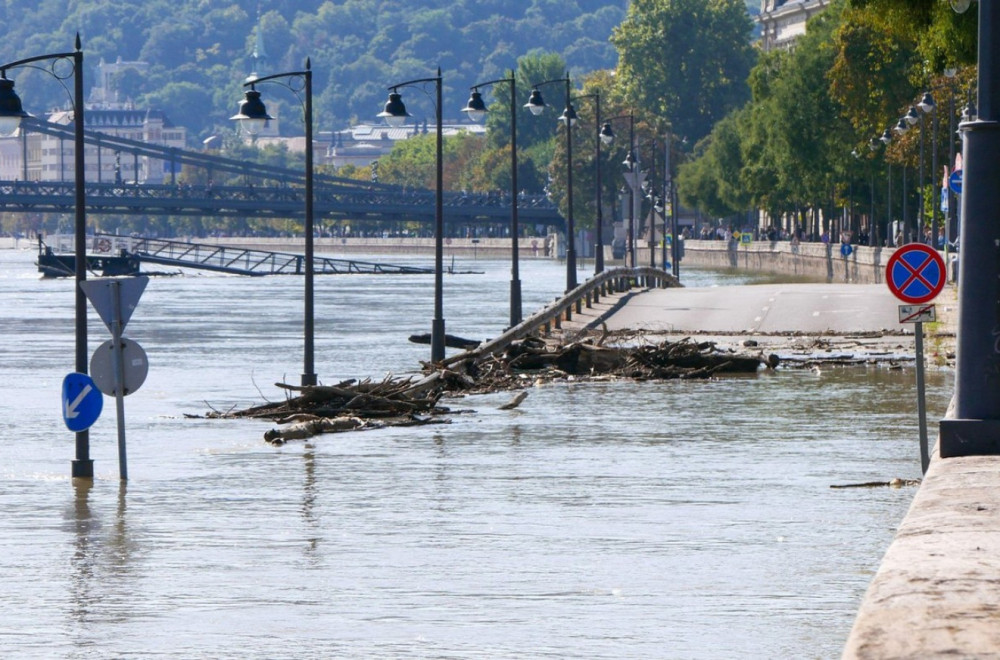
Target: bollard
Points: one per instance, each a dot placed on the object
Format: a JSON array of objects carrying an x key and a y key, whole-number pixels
[
  {"x": 579, "y": 306},
  {"x": 588, "y": 300}
]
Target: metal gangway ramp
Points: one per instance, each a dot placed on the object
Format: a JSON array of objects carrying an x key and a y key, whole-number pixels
[{"x": 235, "y": 260}]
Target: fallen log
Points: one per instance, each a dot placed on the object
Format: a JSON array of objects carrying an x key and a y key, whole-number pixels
[{"x": 451, "y": 341}]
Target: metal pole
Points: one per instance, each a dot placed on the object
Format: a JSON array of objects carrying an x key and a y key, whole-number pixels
[
  {"x": 952, "y": 202},
  {"x": 83, "y": 465},
  {"x": 975, "y": 430},
  {"x": 309, "y": 370},
  {"x": 633, "y": 185},
  {"x": 515, "y": 278},
  {"x": 599, "y": 251},
  {"x": 919, "y": 236},
  {"x": 921, "y": 398},
  {"x": 570, "y": 227},
  {"x": 118, "y": 364},
  {"x": 935, "y": 196},
  {"x": 889, "y": 234},
  {"x": 437, "y": 326},
  {"x": 906, "y": 217}
]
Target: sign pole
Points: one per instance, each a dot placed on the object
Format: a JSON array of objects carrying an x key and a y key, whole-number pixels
[
  {"x": 925, "y": 459},
  {"x": 118, "y": 364},
  {"x": 915, "y": 273}
]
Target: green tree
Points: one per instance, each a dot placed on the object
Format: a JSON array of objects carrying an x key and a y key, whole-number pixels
[{"x": 685, "y": 60}]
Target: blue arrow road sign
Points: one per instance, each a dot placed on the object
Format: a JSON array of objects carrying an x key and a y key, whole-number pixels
[
  {"x": 81, "y": 401},
  {"x": 955, "y": 182}
]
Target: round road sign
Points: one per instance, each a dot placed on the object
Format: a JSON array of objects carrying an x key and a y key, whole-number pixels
[
  {"x": 135, "y": 367},
  {"x": 915, "y": 273}
]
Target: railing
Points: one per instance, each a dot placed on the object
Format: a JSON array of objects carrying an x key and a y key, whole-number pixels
[
  {"x": 573, "y": 302},
  {"x": 281, "y": 201},
  {"x": 223, "y": 259}
]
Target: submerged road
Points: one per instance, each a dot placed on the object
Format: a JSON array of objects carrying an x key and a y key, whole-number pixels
[{"x": 763, "y": 308}]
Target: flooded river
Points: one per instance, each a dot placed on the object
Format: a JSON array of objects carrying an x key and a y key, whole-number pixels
[{"x": 600, "y": 520}]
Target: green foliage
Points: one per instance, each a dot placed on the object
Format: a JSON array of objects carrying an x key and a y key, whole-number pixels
[
  {"x": 357, "y": 48},
  {"x": 685, "y": 60}
]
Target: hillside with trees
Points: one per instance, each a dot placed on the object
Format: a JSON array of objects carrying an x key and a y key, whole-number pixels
[{"x": 199, "y": 51}]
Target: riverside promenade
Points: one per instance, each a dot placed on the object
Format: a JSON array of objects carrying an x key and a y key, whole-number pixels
[{"x": 937, "y": 591}]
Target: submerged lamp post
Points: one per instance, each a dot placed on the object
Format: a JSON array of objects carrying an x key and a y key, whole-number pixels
[
  {"x": 252, "y": 118},
  {"x": 536, "y": 104},
  {"x": 395, "y": 115},
  {"x": 476, "y": 110},
  {"x": 11, "y": 114}
]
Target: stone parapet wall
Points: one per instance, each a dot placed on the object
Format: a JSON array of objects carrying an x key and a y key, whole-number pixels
[{"x": 865, "y": 265}]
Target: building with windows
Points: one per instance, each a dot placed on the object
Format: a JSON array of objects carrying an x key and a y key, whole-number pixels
[
  {"x": 28, "y": 156},
  {"x": 784, "y": 21}
]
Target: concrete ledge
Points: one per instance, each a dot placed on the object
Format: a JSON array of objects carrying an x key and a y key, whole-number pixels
[{"x": 937, "y": 592}]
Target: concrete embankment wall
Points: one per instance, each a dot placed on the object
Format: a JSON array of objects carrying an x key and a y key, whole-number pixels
[{"x": 865, "y": 265}]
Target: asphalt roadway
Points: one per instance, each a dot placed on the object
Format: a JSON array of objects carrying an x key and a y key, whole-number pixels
[{"x": 760, "y": 308}]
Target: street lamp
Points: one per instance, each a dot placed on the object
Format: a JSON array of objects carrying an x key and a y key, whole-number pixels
[
  {"x": 252, "y": 118},
  {"x": 885, "y": 139},
  {"x": 608, "y": 136},
  {"x": 395, "y": 115},
  {"x": 536, "y": 104},
  {"x": 599, "y": 218},
  {"x": 902, "y": 126},
  {"x": 11, "y": 114},
  {"x": 927, "y": 105},
  {"x": 974, "y": 428},
  {"x": 476, "y": 111}
]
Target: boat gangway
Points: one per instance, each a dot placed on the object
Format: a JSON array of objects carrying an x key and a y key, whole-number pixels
[{"x": 227, "y": 259}]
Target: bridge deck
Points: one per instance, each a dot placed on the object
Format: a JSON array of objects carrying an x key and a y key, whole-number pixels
[{"x": 223, "y": 259}]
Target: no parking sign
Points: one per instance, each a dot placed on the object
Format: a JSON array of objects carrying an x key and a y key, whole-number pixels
[{"x": 915, "y": 273}]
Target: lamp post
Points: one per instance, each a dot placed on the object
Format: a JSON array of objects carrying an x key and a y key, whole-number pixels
[
  {"x": 608, "y": 136},
  {"x": 599, "y": 212},
  {"x": 476, "y": 110},
  {"x": 949, "y": 220},
  {"x": 536, "y": 104},
  {"x": 395, "y": 115},
  {"x": 975, "y": 428},
  {"x": 885, "y": 139},
  {"x": 11, "y": 114},
  {"x": 872, "y": 222},
  {"x": 928, "y": 106},
  {"x": 901, "y": 127},
  {"x": 252, "y": 117}
]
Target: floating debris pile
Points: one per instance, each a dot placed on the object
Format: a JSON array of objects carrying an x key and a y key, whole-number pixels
[{"x": 353, "y": 406}]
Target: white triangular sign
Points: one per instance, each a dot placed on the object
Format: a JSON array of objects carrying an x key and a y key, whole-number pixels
[{"x": 100, "y": 291}]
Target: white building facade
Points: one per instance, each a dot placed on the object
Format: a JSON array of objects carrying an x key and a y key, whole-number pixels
[{"x": 784, "y": 21}]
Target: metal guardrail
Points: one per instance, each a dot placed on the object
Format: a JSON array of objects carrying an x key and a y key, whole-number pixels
[
  {"x": 223, "y": 259},
  {"x": 586, "y": 294}
]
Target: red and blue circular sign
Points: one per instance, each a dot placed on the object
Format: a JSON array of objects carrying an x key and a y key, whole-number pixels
[{"x": 915, "y": 273}]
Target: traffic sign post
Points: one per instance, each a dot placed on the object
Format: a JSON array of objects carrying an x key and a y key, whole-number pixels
[
  {"x": 916, "y": 274},
  {"x": 115, "y": 298}
]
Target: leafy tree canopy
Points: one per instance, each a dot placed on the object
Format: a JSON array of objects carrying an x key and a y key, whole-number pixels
[{"x": 357, "y": 48}]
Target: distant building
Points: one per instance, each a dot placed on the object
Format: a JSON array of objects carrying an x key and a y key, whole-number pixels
[
  {"x": 784, "y": 21},
  {"x": 365, "y": 143},
  {"x": 39, "y": 157}
]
